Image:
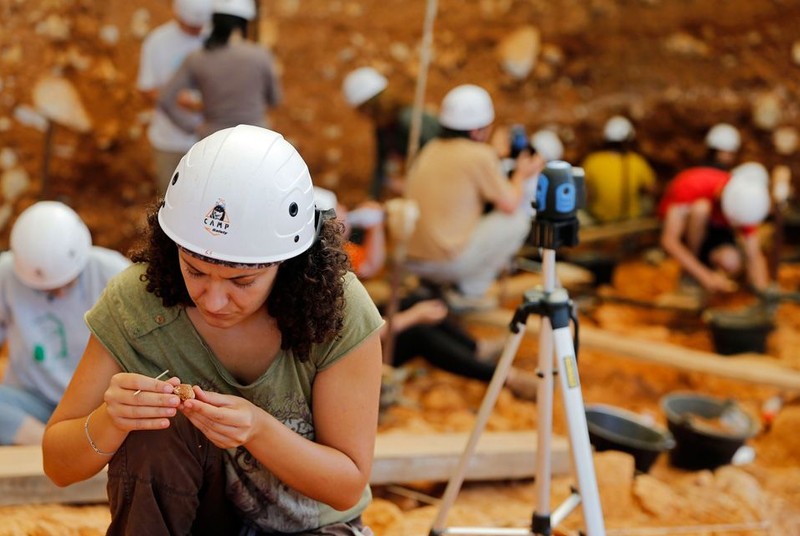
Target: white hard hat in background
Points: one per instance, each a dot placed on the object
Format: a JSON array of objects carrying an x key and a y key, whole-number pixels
[
  {"x": 50, "y": 244},
  {"x": 745, "y": 202},
  {"x": 361, "y": 85},
  {"x": 751, "y": 172},
  {"x": 324, "y": 199},
  {"x": 723, "y": 137},
  {"x": 245, "y": 9},
  {"x": 547, "y": 144},
  {"x": 618, "y": 129},
  {"x": 195, "y": 13},
  {"x": 466, "y": 107},
  {"x": 241, "y": 195}
]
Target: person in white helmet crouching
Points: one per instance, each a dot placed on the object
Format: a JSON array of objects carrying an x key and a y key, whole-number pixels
[
  {"x": 51, "y": 276},
  {"x": 452, "y": 179},
  {"x": 232, "y": 379},
  {"x": 710, "y": 223}
]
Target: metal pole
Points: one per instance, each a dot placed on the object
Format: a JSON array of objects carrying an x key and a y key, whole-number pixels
[{"x": 422, "y": 79}]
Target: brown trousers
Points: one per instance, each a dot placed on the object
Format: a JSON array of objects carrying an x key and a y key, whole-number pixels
[{"x": 172, "y": 482}]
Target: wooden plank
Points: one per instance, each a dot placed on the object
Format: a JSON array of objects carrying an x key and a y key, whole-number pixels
[
  {"x": 399, "y": 458},
  {"x": 750, "y": 368},
  {"x": 22, "y": 481},
  {"x": 597, "y": 233},
  {"x": 403, "y": 457}
]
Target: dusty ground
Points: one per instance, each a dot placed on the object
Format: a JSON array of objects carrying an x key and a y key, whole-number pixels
[{"x": 674, "y": 67}]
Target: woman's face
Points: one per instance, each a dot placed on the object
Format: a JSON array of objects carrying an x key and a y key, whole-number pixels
[{"x": 226, "y": 295}]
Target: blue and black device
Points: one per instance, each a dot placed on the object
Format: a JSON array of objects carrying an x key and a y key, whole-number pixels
[{"x": 560, "y": 193}]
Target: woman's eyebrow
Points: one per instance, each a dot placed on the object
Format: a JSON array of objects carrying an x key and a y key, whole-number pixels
[{"x": 196, "y": 269}]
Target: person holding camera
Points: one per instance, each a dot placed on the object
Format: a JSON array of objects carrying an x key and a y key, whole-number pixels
[{"x": 455, "y": 244}]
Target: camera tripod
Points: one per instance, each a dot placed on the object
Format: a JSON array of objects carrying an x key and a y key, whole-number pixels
[{"x": 555, "y": 343}]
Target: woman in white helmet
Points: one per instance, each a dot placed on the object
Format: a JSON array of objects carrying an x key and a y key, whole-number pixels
[
  {"x": 455, "y": 244},
  {"x": 708, "y": 215},
  {"x": 620, "y": 183},
  {"x": 50, "y": 278},
  {"x": 242, "y": 291},
  {"x": 236, "y": 79}
]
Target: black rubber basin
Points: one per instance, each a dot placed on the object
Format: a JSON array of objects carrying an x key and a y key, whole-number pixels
[
  {"x": 737, "y": 332},
  {"x": 612, "y": 428},
  {"x": 708, "y": 431}
]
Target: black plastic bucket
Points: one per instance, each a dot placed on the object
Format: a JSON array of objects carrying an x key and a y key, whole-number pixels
[
  {"x": 737, "y": 332},
  {"x": 613, "y": 428},
  {"x": 708, "y": 431}
]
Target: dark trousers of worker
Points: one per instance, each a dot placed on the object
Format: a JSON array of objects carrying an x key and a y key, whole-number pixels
[
  {"x": 169, "y": 482},
  {"x": 444, "y": 345},
  {"x": 172, "y": 482}
]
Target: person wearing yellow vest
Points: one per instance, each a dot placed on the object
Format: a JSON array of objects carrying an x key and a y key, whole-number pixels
[{"x": 617, "y": 177}]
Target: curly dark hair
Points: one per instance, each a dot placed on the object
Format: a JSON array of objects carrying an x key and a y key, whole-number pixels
[{"x": 307, "y": 298}]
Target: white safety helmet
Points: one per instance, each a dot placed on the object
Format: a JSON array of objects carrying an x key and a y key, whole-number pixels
[
  {"x": 245, "y": 9},
  {"x": 241, "y": 195},
  {"x": 50, "y": 244},
  {"x": 745, "y": 202},
  {"x": 723, "y": 137},
  {"x": 751, "y": 172},
  {"x": 324, "y": 199},
  {"x": 547, "y": 144},
  {"x": 195, "y": 13},
  {"x": 361, "y": 85},
  {"x": 466, "y": 107},
  {"x": 618, "y": 129}
]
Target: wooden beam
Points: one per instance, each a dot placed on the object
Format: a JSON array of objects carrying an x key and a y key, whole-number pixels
[
  {"x": 399, "y": 458},
  {"x": 606, "y": 231},
  {"x": 750, "y": 368},
  {"x": 404, "y": 457}
]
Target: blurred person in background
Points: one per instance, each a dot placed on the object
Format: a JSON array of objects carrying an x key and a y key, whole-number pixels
[
  {"x": 455, "y": 244},
  {"x": 365, "y": 90},
  {"x": 620, "y": 183},
  {"x": 50, "y": 278},
  {"x": 723, "y": 142},
  {"x": 236, "y": 79},
  {"x": 163, "y": 51},
  {"x": 710, "y": 224}
]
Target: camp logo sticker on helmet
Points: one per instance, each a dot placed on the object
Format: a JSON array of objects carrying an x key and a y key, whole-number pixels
[{"x": 216, "y": 220}]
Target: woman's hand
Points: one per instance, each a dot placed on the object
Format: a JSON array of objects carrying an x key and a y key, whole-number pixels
[
  {"x": 138, "y": 402},
  {"x": 428, "y": 311},
  {"x": 227, "y": 421}
]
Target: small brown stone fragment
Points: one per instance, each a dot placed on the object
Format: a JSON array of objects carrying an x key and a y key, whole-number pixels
[{"x": 184, "y": 391}]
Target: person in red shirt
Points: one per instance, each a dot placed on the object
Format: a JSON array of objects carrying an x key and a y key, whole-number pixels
[{"x": 707, "y": 213}]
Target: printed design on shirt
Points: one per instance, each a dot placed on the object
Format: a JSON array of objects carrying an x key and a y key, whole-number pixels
[
  {"x": 216, "y": 219},
  {"x": 52, "y": 338},
  {"x": 264, "y": 500}
]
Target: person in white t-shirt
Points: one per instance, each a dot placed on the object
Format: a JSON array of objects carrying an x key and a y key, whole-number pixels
[
  {"x": 163, "y": 51},
  {"x": 50, "y": 278}
]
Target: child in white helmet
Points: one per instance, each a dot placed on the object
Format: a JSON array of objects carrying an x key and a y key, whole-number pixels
[
  {"x": 50, "y": 278},
  {"x": 243, "y": 293},
  {"x": 163, "y": 50},
  {"x": 706, "y": 213}
]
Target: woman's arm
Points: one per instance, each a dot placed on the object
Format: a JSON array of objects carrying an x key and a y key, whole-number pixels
[
  {"x": 333, "y": 469},
  {"x": 756, "y": 261},
  {"x": 100, "y": 404},
  {"x": 168, "y": 99}
]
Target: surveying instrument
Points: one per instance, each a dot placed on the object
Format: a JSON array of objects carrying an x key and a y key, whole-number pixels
[{"x": 559, "y": 195}]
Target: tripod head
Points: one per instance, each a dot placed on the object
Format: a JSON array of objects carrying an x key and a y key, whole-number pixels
[{"x": 560, "y": 192}]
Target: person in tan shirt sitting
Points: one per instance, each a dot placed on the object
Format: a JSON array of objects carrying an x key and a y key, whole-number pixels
[{"x": 456, "y": 243}]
